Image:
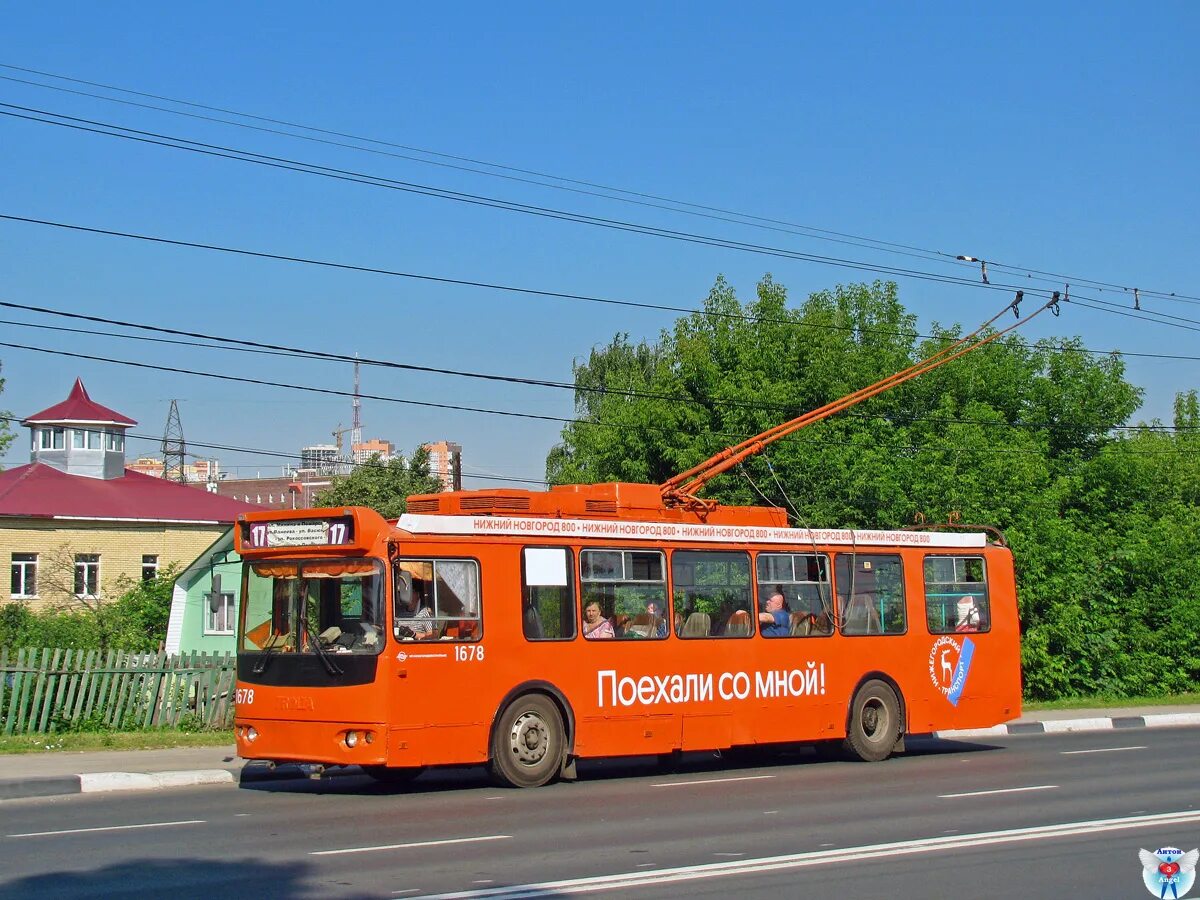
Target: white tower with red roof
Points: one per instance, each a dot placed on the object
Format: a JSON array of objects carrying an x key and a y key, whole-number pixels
[{"x": 80, "y": 437}]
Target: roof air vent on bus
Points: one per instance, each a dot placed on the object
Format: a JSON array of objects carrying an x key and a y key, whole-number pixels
[{"x": 492, "y": 503}]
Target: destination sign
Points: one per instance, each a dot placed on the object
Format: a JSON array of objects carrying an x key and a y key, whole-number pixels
[{"x": 298, "y": 533}]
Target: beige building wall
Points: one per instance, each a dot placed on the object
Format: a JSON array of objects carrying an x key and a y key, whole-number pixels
[{"x": 120, "y": 546}]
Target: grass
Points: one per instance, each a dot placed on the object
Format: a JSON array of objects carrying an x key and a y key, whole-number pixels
[
  {"x": 112, "y": 740},
  {"x": 1104, "y": 702}
]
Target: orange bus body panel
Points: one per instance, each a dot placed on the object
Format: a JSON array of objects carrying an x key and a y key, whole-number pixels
[{"x": 436, "y": 702}]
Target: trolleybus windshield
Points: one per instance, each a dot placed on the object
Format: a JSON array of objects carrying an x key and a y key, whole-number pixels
[{"x": 313, "y": 606}]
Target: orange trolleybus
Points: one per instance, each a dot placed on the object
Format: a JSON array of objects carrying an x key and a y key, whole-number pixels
[{"x": 525, "y": 630}]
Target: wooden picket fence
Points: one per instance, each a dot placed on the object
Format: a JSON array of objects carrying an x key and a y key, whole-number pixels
[{"x": 44, "y": 690}]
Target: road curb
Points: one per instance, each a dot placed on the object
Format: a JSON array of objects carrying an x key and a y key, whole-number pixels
[
  {"x": 257, "y": 773},
  {"x": 1063, "y": 726},
  {"x": 109, "y": 782},
  {"x": 104, "y": 782}
]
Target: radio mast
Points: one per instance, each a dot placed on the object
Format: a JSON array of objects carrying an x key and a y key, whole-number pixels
[{"x": 356, "y": 421}]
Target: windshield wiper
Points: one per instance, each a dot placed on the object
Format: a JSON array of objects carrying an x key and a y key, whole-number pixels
[
  {"x": 315, "y": 641},
  {"x": 266, "y": 654}
]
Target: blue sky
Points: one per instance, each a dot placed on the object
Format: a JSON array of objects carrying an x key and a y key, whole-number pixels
[{"x": 1061, "y": 137}]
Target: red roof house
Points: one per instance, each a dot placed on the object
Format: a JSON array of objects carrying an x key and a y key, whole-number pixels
[{"x": 75, "y": 517}]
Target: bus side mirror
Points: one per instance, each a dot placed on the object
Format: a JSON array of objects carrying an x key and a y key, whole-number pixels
[
  {"x": 214, "y": 598},
  {"x": 402, "y": 587}
]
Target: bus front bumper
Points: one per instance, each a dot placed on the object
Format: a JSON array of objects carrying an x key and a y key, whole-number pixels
[{"x": 330, "y": 743}]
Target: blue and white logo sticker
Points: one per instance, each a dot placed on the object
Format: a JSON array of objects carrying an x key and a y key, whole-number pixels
[
  {"x": 949, "y": 666},
  {"x": 1168, "y": 871}
]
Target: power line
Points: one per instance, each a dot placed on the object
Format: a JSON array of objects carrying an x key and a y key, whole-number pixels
[
  {"x": 899, "y": 419},
  {"x": 563, "y": 183},
  {"x": 290, "y": 352},
  {"x": 714, "y": 213},
  {"x": 176, "y": 143},
  {"x": 511, "y": 206},
  {"x": 462, "y": 282}
]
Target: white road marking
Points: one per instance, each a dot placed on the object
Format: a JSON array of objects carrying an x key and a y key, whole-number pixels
[
  {"x": 408, "y": 891},
  {"x": 710, "y": 781},
  {"x": 729, "y": 854},
  {"x": 1035, "y": 787},
  {"x": 109, "y": 828},
  {"x": 469, "y": 840},
  {"x": 1099, "y": 750},
  {"x": 853, "y": 855}
]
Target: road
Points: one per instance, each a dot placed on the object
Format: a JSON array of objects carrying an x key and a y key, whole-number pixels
[{"x": 1037, "y": 816}]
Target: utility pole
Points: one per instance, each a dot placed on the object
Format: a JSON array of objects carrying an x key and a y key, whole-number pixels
[{"x": 174, "y": 449}]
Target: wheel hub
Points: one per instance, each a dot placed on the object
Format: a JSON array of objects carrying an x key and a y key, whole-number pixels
[
  {"x": 874, "y": 719},
  {"x": 529, "y": 739}
]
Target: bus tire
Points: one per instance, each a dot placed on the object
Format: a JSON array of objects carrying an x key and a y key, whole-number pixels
[
  {"x": 874, "y": 726},
  {"x": 392, "y": 774},
  {"x": 529, "y": 743}
]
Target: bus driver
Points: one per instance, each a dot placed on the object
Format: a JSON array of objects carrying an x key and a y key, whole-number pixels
[{"x": 414, "y": 618}]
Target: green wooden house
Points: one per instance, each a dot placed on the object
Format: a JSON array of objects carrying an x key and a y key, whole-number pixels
[{"x": 204, "y": 601}]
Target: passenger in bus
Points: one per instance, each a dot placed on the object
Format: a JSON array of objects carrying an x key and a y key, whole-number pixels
[
  {"x": 620, "y": 623},
  {"x": 595, "y": 626},
  {"x": 660, "y": 623},
  {"x": 775, "y": 620},
  {"x": 966, "y": 614}
]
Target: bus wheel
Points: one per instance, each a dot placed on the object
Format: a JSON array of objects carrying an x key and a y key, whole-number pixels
[
  {"x": 874, "y": 722},
  {"x": 393, "y": 774},
  {"x": 529, "y": 742}
]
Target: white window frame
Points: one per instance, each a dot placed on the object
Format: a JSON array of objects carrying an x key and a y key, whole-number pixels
[
  {"x": 85, "y": 563},
  {"x": 27, "y": 567},
  {"x": 227, "y": 607},
  {"x": 150, "y": 561}
]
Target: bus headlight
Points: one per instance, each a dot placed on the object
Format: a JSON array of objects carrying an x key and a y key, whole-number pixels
[
  {"x": 251, "y": 733},
  {"x": 351, "y": 739}
]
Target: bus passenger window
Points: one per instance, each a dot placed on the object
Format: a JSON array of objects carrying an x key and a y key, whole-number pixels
[
  {"x": 712, "y": 593},
  {"x": 870, "y": 591},
  {"x": 547, "y": 594},
  {"x": 436, "y": 599},
  {"x": 802, "y": 579},
  {"x": 629, "y": 590},
  {"x": 956, "y": 595}
]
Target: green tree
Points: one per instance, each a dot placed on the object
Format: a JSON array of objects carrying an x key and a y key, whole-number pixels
[
  {"x": 137, "y": 619},
  {"x": 1022, "y": 436},
  {"x": 384, "y": 487}
]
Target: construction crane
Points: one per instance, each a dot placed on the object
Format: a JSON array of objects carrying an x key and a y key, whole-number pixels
[{"x": 337, "y": 436}]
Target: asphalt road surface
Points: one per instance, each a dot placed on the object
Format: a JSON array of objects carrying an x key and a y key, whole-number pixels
[{"x": 1039, "y": 816}]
